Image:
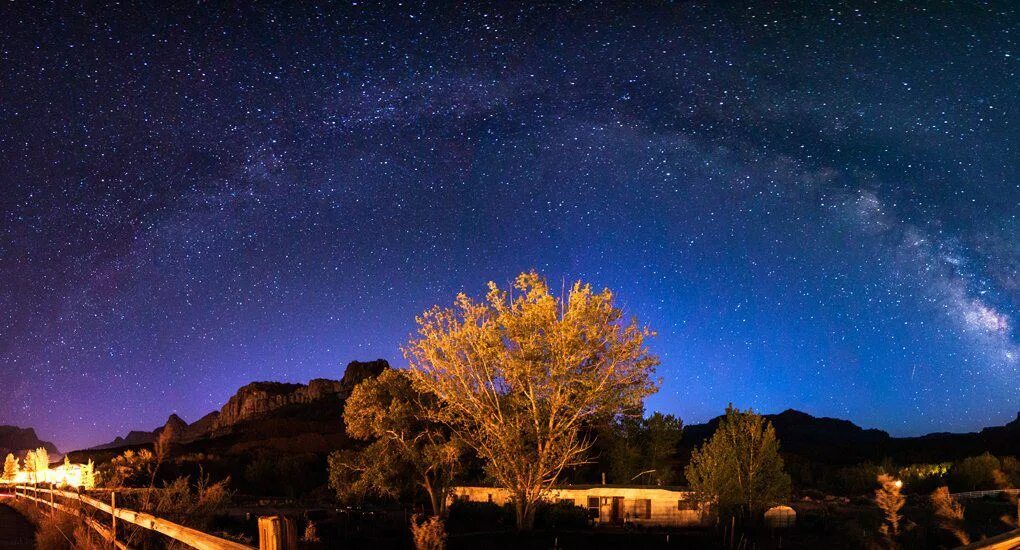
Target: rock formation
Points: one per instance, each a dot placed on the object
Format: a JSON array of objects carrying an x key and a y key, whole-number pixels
[
  {"x": 259, "y": 398},
  {"x": 21, "y": 440}
]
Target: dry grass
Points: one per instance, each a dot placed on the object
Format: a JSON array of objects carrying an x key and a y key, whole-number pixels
[{"x": 57, "y": 530}]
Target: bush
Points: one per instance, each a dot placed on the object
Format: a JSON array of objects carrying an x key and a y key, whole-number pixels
[
  {"x": 428, "y": 534},
  {"x": 948, "y": 515},
  {"x": 976, "y": 473},
  {"x": 560, "y": 515}
]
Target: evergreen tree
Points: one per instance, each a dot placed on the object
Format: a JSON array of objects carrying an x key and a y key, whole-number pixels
[
  {"x": 88, "y": 475},
  {"x": 29, "y": 466},
  {"x": 11, "y": 467}
]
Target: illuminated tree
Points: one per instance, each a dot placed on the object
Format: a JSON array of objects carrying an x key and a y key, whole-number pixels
[
  {"x": 11, "y": 467},
  {"x": 42, "y": 463},
  {"x": 405, "y": 442},
  {"x": 29, "y": 465},
  {"x": 740, "y": 465},
  {"x": 889, "y": 500},
  {"x": 517, "y": 377},
  {"x": 88, "y": 475},
  {"x": 37, "y": 463},
  {"x": 130, "y": 469}
]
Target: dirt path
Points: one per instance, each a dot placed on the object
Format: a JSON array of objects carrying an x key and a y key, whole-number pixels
[{"x": 16, "y": 533}]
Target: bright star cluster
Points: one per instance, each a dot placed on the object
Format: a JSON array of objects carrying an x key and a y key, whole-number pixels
[{"x": 815, "y": 205}]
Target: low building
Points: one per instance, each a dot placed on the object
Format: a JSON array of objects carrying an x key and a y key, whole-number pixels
[
  {"x": 62, "y": 474},
  {"x": 614, "y": 504}
]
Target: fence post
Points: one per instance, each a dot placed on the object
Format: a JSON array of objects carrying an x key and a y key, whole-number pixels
[
  {"x": 52, "y": 507},
  {"x": 277, "y": 533},
  {"x": 113, "y": 518}
]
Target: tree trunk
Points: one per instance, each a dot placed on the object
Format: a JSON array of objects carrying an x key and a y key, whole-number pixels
[
  {"x": 525, "y": 513},
  {"x": 438, "y": 504},
  {"x": 435, "y": 499}
]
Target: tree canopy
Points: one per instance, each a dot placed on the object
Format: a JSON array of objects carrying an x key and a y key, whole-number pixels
[
  {"x": 639, "y": 449},
  {"x": 740, "y": 465},
  {"x": 405, "y": 443},
  {"x": 518, "y": 375},
  {"x": 11, "y": 466}
]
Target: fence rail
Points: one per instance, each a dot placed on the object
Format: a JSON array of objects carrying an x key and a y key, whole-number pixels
[
  {"x": 982, "y": 494},
  {"x": 1005, "y": 541},
  {"x": 191, "y": 537}
]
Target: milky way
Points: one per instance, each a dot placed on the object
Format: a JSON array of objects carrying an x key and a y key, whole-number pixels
[{"x": 814, "y": 205}]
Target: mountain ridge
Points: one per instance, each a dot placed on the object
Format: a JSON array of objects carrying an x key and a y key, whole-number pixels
[
  {"x": 253, "y": 401},
  {"x": 18, "y": 441},
  {"x": 839, "y": 441}
]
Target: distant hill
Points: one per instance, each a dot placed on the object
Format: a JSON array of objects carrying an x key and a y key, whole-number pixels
[
  {"x": 276, "y": 417},
  {"x": 286, "y": 419},
  {"x": 836, "y": 441},
  {"x": 21, "y": 440}
]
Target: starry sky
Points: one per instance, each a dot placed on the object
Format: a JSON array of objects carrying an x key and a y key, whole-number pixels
[{"x": 815, "y": 204}]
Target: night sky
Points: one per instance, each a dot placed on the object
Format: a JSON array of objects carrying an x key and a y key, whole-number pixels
[{"x": 815, "y": 204}]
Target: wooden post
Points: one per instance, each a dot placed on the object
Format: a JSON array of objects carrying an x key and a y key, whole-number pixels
[
  {"x": 277, "y": 533},
  {"x": 52, "y": 507},
  {"x": 113, "y": 518}
]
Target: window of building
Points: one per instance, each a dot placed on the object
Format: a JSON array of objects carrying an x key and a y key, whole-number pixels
[
  {"x": 569, "y": 501},
  {"x": 593, "y": 504},
  {"x": 643, "y": 508}
]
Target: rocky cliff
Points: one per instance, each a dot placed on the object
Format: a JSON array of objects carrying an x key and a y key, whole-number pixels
[
  {"x": 260, "y": 398},
  {"x": 260, "y": 401},
  {"x": 21, "y": 440}
]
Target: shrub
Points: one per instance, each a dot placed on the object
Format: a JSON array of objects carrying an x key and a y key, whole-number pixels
[
  {"x": 949, "y": 514},
  {"x": 311, "y": 533},
  {"x": 466, "y": 516},
  {"x": 976, "y": 473},
  {"x": 561, "y": 515},
  {"x": 890, "y": 501},
  {"x": 428, "y": 534}
]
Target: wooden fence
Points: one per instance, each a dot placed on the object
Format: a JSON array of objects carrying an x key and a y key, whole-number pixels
[
  {"x": 1005, "y": 541},
  {"x": 186, "y": 535},
  {"x": 982, "y": 494}
]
